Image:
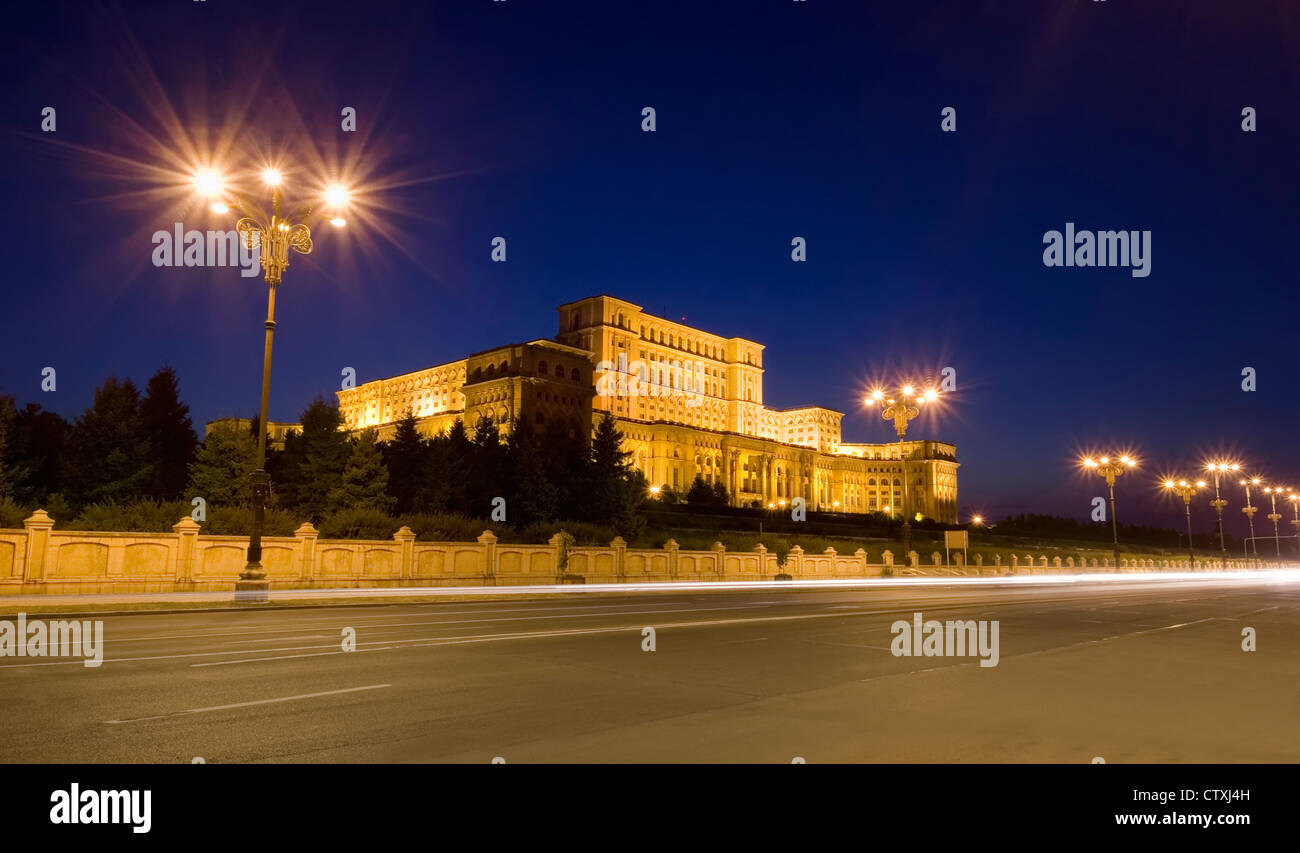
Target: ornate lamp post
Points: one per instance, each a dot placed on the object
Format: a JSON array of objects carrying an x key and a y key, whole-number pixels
[
  {"x": 900, "y": 409},
  {"x": 1186, "y": 490},
  {"x": 1275, "y": 516},
  {"x": 1111, "y": 467},
  {"x": 1295, "y": 522},
  {"x": 275, "y": 236},
  {"x": 1217, "y": 468},
  {"x": 1250, "y": 510}
]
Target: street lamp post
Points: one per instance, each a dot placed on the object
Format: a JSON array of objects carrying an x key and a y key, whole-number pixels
[
  {"x": 1295, "y": 522},
  {"x": 901, "y": 409},
  {"x": 1186, "y": 490},
  {"x": 1217, "y": 468},
  {"x": 274, "y": 236},
  {"x": 1249, "y": 510},
  {"x": 1111, "y": 467},
  {"x": 1275, "y": 516}
]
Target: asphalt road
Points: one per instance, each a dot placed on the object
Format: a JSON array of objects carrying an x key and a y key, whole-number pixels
[{"x": 1139, "y": 671}]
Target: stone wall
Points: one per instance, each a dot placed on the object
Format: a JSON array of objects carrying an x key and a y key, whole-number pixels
[{"x": 40, "y": 559}]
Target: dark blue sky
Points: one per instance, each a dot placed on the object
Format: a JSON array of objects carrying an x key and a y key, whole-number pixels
[{"x": 776, "y": 119}]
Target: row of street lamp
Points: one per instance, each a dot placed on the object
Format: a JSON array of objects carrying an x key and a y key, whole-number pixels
[{"x": 1110, "y": 467}]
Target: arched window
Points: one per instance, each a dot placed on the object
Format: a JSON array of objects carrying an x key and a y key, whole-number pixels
[
  {"x": 559, "y": 370},
  {"x": 575, "y": 375},
  {"x": 491, "y": 370}
]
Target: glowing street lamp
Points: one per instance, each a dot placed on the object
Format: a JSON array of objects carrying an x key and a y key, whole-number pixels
[
  {"x": 275, "y": 236},
  {"x": 1218, "y": 468},
  {"x": 1250, "y": 510},
  {"x": 900, "y": 409},
  {"x": 1274, "y": 516},
  {"x": 1110, "y": 467},
  {"x": 1186, "y": 490}
]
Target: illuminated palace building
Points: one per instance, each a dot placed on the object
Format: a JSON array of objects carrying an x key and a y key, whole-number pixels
[{"x": 687, "y": 402}]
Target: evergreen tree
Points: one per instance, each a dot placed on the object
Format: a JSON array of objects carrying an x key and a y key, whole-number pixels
[
  {"x": 325, "y": 452},
  {"x": 720, "y": 496},
  {"x": 567, "y": 463},
  {"x": 223, "y": 468},
  {"x": 405, "y": 457},
  {"x": 108, "y": 452},
  {"x": 170, "y": 433},
  {"x": 532, "y": 496},
  {"x": 8, "y": 479},
  {"x": 36, "y": 453},
  {"x": 700, "y": 494},
  {"x": 489, "y": 468},
  {"x": 448, "y": 471},
  {"x": 617, "y": 490},
  {"x": 364, "y": 483}
]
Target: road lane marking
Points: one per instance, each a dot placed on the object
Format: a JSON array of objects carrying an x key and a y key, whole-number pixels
[
  {"x": 386, "y": 625},
  {"x": 250, "y": 704}
]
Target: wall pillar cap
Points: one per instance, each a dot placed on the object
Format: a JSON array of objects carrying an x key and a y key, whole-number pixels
[
  {"x": 618, "y": 542},
  {"x": 671, "y": 545},
  {"x": 186, "y": 525},
  {"x": 306, "y": 529},
  {"x": 39, "y": 518},
  {"x": 404, "y": 534},
  {"x": 487, "y": 537}
]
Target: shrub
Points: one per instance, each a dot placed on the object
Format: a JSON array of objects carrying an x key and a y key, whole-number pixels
[
  {"x": 138, "y": 516},
  {"x": 581, "y": 532},
  {"x": 445, "y": 527},
  {"x": 358, "y": 523},
  {"x": 238, "y": 521},
  {"x": 12, "y": 514}
]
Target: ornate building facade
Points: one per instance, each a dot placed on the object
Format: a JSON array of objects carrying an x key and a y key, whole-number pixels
[{"x": 688, "y": 402}]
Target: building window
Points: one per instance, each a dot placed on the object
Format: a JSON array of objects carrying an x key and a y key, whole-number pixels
[
  {"x": 575, "y": 376},
  {"x": 541, "y": 368}
]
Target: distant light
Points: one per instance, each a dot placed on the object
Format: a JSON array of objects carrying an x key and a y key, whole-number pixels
[
  {"x": 1200, "y": 484},
  {"x": 207, "y": 182},
  {"x": 654, "y": 490},
  {"x": 978, "y": 519},
  {"x": 336, "y": 195},
  {"x": 271, "y": 177}
]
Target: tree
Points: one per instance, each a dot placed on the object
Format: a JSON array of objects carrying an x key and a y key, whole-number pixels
[
  {"x": 533, "y": 497},
  {"x": 364, "y": 484},
  {"x": 8, "y": 414},
  {"x": 170, "y": 434},
  {"x": 108, "y": 452},
  {"x": 617, "y": 490},
  {"x": 700, "y": 493},
  {"x": 720, "y": 496},
  {"x": 444, "y": 482},
  {"x": 489, "y": 464},
  {"x": 325, "y": 453},
  {"x": 35, "y": 456},
  {"x": 406, "y": 458},
  {"x": 223, "y": 467}
]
